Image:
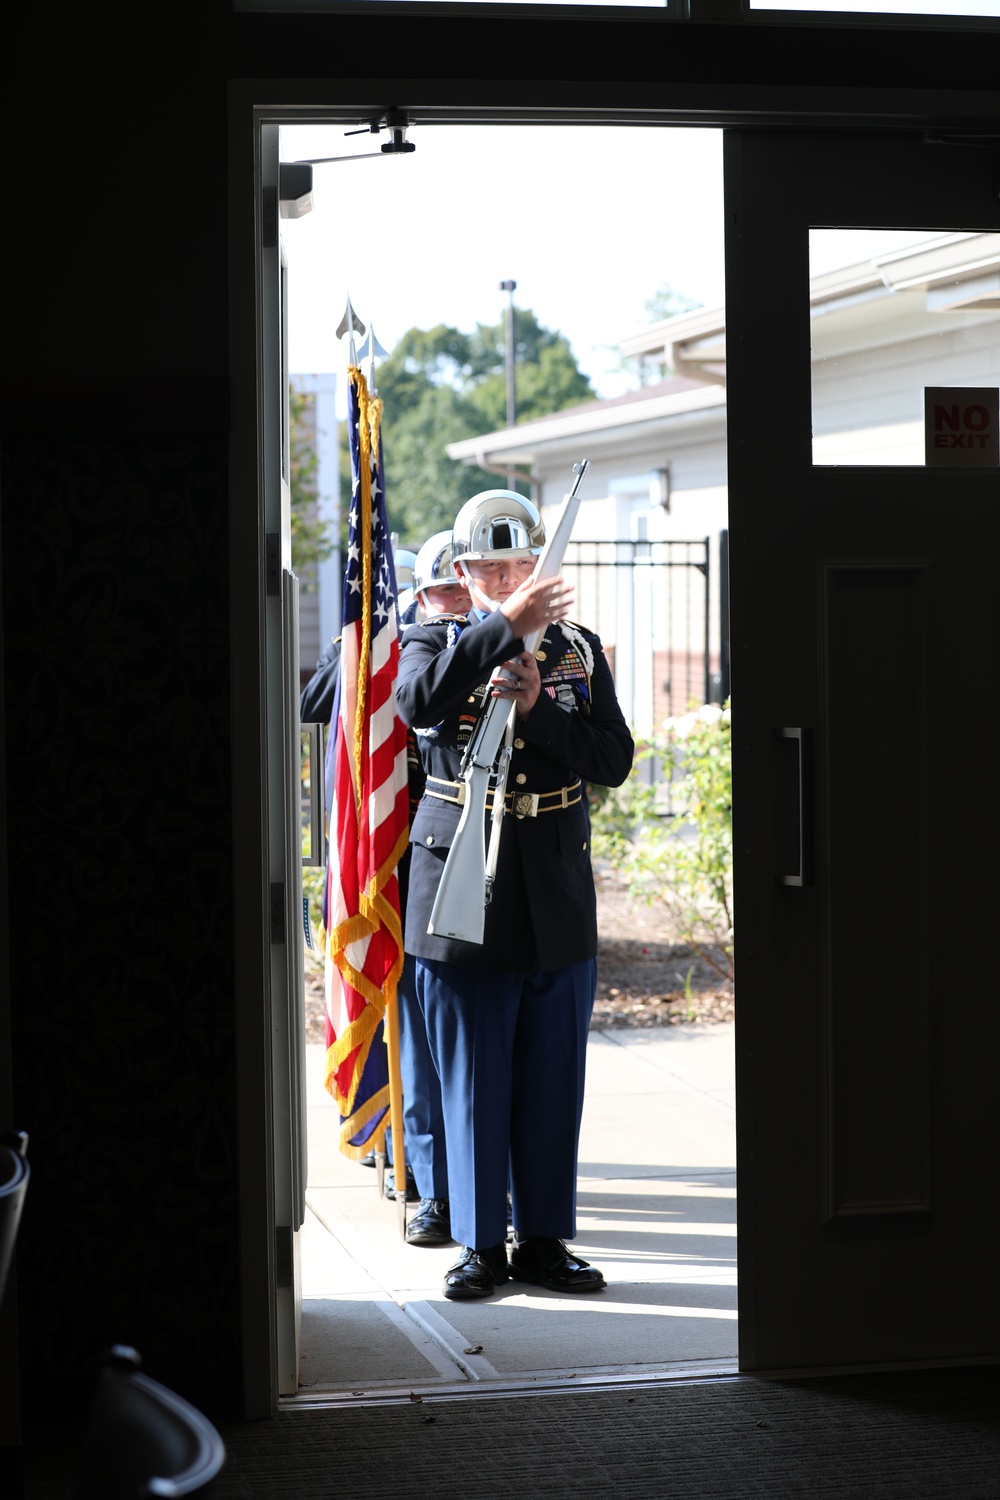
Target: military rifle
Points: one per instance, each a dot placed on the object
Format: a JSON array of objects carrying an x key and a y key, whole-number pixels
[{"x": 466, "y": 886}]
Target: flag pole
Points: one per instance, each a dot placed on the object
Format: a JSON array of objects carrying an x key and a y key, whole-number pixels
[{"x": 396, "y": 1107}]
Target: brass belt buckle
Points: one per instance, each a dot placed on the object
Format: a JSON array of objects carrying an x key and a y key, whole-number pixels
[{"x": 526, "y": 804}]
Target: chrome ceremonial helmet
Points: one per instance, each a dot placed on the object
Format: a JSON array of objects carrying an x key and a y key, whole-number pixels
[
  {"x": 403, "y": 562},
  {"x": 432, "y": 567},
  {"x": 497, "y": 523}
]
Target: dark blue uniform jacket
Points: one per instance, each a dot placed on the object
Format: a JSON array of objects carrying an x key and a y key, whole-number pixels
[
  {"x": 543, "y": 914},
  {"x": 319, "y": 694}
]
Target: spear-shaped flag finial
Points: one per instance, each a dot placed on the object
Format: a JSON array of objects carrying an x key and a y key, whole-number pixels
[
  {"x": 350, "y": 323},
  {"x": 369, "y": 350}
]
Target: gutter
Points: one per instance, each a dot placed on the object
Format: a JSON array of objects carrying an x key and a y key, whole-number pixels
[
  {"x": 505, "y": 472},
  {"x": 694, "y": 369}
]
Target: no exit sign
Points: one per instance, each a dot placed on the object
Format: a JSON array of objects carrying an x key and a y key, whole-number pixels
[{"x": 961, "y": 427}]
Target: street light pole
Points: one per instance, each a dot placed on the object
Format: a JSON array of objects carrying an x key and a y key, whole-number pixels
[{"x": 510, "y": 287}]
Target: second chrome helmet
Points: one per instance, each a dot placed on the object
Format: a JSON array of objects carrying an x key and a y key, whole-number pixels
[{"x": 433, "y": 568}]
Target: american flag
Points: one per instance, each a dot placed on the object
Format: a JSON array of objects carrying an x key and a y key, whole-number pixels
[{"x": 369, "y": 810}]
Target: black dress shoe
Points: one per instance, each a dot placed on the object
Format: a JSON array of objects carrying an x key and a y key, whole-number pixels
[
  {"x": 477, "y": 1273},
  {"x": 431, "y": 1224},
  {"x": 546, "y": 1262}
]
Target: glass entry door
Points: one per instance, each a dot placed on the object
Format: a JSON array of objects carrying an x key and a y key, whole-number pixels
[{"x": 863, "y": 623}]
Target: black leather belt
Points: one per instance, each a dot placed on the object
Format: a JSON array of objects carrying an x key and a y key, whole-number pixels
[{"x": 520, "y": 804}]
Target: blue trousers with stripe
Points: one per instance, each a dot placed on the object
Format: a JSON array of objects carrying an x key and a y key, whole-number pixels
[
  {"x": 510, "y": 1050},
  {"x": 423, "y": 1120}
]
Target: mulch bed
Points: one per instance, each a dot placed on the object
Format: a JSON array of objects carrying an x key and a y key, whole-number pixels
[
  {"x": 657, "y": 984},
  {"x": 642, "y": 978}
]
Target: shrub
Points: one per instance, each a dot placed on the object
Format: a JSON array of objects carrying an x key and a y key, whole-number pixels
[{"x": 670, "y": 833}]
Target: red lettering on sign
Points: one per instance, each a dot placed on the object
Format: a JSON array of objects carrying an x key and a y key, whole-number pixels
[
  {"x": 961, "y": 439},
  {"x": 961, "y": 426}
]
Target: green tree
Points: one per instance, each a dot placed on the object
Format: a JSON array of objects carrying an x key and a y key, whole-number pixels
[
  {"x": 668, "y": 302},
  {"x": 441, "y": 385},
  {"x": 546, "y": 376},
  {"x": 313, "y": 539}
]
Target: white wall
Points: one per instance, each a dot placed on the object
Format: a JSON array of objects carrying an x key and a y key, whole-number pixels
[
  {"x": 320, "y": 611},
  {"x": 868, "y": 405}
]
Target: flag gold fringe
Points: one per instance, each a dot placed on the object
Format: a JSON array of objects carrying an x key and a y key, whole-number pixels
[
  {"x": 361, "y": 1031},
  {"x": 358, "y": 1121},
  {"x": 360, "y": 1034}
]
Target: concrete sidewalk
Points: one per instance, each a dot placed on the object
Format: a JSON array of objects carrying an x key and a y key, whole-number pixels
[{"x": 656, "y": 1212}]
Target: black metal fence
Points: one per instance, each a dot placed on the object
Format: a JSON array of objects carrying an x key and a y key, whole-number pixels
[{"x": 661, "y": 610}]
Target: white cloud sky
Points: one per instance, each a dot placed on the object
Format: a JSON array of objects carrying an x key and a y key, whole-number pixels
[{"x": 588, "y": 220}]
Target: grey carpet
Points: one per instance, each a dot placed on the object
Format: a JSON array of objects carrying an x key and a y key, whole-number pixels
[
  {"x": 899, "y": 1436},
  {"x": 872, "y": 1437}
]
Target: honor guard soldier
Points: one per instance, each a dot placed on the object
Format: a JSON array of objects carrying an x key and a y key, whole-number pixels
[
  {"x": 508, "y": 1019},
  {"x": 426, "y": 586},
  {"x": 436, "y": 588},
  {"x": 436, "y": 591}
]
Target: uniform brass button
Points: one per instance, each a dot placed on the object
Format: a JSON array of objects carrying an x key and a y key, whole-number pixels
[
  {"x": 518, "y": 744},
  {"x": 540, "y": 656},
  {"x": 429, "y": 839},
  {"x": 520, "y": 778},
  {"x": 471, "y": 699},
  {"x": 584, "y": 845}
]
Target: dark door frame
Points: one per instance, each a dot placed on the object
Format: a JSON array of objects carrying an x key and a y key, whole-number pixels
[{"x": 469, "y": 100}]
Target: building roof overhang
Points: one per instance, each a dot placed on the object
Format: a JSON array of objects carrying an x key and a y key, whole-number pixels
[{"x": 673, "y": 406}]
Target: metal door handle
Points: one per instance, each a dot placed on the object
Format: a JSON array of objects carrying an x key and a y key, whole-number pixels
[{"x": 803, "y": 739}]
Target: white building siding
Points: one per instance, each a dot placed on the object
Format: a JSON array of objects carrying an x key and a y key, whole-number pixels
[
  {"x": 868, "y": 406},
  {"x": 651, "y": 618},
  {"x": 321, "y": 595}
]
